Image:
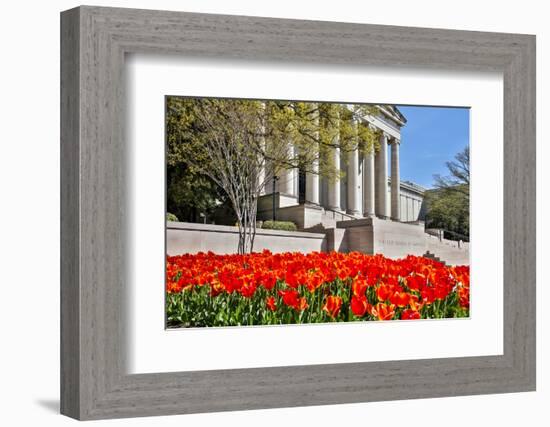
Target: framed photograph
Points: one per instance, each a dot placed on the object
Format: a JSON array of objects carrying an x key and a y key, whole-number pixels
[
  {"x": 261, "y": 213},
  {"x": 313, "y": 167}
]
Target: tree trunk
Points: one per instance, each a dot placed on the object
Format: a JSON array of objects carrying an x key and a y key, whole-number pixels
[{"x": 246, "y": 223}]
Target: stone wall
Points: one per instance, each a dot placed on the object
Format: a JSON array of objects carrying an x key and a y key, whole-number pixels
[
  {"x": 368, "y": 235},
  {"x": 304, "y": 216},
  {"x": 184, "y": 237},
  {"x": 393, "y": 239},
  {"x": 397, "y": 240}
]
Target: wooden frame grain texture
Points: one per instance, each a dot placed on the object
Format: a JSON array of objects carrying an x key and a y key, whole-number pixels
[{"x": 94, "y": 41}]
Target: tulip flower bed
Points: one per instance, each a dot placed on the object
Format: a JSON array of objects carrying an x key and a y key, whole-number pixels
[{"x": 206, "y": 289}]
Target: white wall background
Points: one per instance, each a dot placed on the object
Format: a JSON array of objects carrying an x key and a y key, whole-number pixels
[{"x": 29, "y": 215}]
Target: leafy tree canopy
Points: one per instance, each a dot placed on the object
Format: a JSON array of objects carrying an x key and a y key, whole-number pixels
[
  {"x": 237, "y": 144},
  {"x": 448, "y": 205}
]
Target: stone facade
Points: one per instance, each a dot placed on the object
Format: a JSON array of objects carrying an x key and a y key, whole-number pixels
[
  {"x": 308, "y": 215},
  {"x": 370, "y": 210},
  {"x": 371, "y": 185}
]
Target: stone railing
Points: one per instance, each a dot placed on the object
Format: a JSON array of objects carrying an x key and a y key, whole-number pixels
[
  {"x": 439, "y": 233},
  {"x": 337, "y": 215}
]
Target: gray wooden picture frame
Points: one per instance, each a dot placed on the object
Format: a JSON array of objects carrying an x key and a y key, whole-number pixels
[{"x": 94, "y": 41}]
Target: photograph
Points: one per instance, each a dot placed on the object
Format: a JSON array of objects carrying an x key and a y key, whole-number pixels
[{"x": 295, "y": 212}]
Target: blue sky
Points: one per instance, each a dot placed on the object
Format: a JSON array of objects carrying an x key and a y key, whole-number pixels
[{"x": 431, "y": 137}]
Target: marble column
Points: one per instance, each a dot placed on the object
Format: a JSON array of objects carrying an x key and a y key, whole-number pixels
[
  {"x": 334, "y": 182},
  {"x": 354, "y": 179},
  {"x": 395, "y": 182},
  {"x": 312, "y": 184},
  {"x": 262, "y": 182},
  {"x": 287, "y": 181},
  {"x": 368, "y": 185},
  {"x": 312, "y": 178},
  {"x": 381, "y": 159}
]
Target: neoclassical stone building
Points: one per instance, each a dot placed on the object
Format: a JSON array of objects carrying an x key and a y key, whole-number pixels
[
  {"x": 371, "y": 186},
  {"x": 370, "y": 210}
]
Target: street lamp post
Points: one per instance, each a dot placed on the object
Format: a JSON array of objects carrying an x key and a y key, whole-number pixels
[{"x": 275, "y": 179}]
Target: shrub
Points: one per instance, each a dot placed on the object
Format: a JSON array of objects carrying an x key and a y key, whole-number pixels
[
  {"x": 171, "y": 217},
  {"x": 279, "y": 225}
]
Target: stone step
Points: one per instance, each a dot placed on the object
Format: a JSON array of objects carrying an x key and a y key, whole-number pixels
[
  {"x": 329, "y": 218},
  {"x": 432, "y": 256}
]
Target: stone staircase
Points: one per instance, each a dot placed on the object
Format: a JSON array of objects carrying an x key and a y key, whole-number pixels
[
  {"x": 432, "y": 256},
  {"x": 451, "y": 251},
  {"x": 346, "y": 233},
  {"x": 329, "y": 217}
]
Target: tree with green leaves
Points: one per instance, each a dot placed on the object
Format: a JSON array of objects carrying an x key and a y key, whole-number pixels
[
  {"x": 459, "y": 178},
  {"x": 448, "y": 204},
  {"x": 191, "y": 194},
  {"x": 239, "y": 144}
]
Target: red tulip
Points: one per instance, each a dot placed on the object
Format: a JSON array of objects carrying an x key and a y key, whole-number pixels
[
  {"x": 409, "y": 314},
  {"x": 384, "y": 291},
  {"x": 290, "y": 297},
  {"x": 416, "y": 282},
  {"x": 383, "y": 311},
  {"x": 359, "y": 286},
  {"x": 464, "y": 297},
  {"x": 248, "y": 290},
  {"x": 314, "y": 281},
  {"x": 269, "y": 280},
  {"x": 302, "y": 304},
  {"x": 428, "y": 295},
  {"x": 400, "y": 299},
  {"x": 271, "y": 304},
  {"x": 359, "y": 305},
  {"x": 414, "y": 303},
  {"x": 332, "y": 305}
]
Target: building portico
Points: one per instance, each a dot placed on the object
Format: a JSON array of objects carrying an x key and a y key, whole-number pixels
[{"x": 366, "y": 184}]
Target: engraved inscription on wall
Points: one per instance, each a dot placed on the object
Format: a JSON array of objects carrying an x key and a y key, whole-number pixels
[{"x": 401, "y": 240}]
